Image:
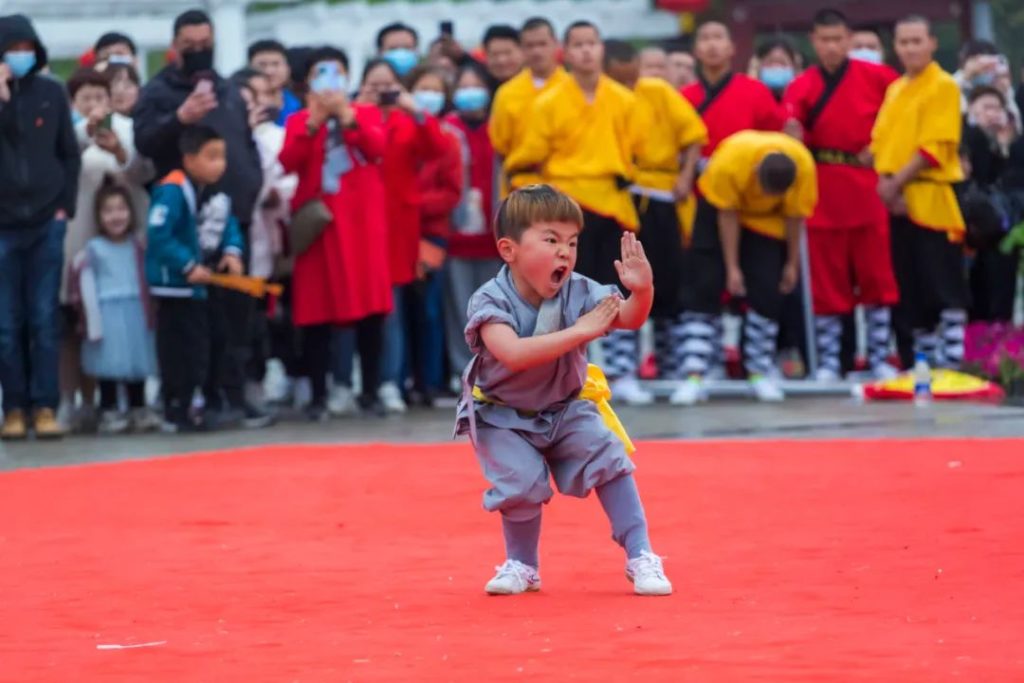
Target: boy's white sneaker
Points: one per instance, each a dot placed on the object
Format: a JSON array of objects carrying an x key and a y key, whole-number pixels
[
  {"x": 826, "y": 376},
  {"x": 647, "y": 575},
  {"x": 884, "y": 372},
  {"x": 513, "y": 578},
  {"x": 391, "y": 398},
  {"x": 628, "y": 390},
  {"x": 342, "y": 401},
  {"x": 689, "y": 393},
  {"x": 766, "y": 389}
]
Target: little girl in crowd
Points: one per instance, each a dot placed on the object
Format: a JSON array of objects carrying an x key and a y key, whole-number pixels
[{"x": 118, "y": 319}]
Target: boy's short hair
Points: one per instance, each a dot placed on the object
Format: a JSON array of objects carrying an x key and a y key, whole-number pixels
[
  {"x": 194, "y": 138},
  {"x": 192, "y": 17},
  {"x": 776, "y": 173},
  {"x": 619, "y": 52},
  {"x": 261, "y": 46},
  {"x": 87, "y": 76},
  {"x": 500, "y": 32},
  {"x": 534, "y": 23},
  {"x": 396, "y": 27},
  {"x": 534, "y": 204},
  {"x": 115, "y": 38},
  {"x": 582, "y": 23}
]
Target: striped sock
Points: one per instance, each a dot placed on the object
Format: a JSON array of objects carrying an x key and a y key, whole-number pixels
[
  {"x": 620, "y": 353},
  {"x": 664, "y": 349},
  {"x": 760, "y": 336},
  {"x": 829, "y": 332},
  {"x": 696, "y": 347},
  {"x": 879, "y": 334},
  {"x": 951, "y": 334},
  {"x": 927, "y": 342}
]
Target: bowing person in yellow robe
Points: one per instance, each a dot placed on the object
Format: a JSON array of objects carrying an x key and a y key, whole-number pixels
[
  {"x": 512, "y": 103},
  {"x": 666, "y": 163},
  {"x": 915, "y": 143},
  {"x": 583, "y": 135}
]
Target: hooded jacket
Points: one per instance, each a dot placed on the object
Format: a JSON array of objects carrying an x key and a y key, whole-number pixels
[
  {"x": 157, "y": 129},
  {"x": 39, "y": 156}
]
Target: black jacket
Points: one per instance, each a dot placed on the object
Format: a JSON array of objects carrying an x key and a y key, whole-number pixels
[
  {"x": 39, "y": 157},
  {"x": 157, "y": 128}
]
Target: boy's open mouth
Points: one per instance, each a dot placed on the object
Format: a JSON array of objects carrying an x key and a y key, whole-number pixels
[{"x": 559, "y": 274}]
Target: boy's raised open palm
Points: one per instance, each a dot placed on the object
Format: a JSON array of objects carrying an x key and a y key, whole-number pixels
[{"x": 634, "y": 269}]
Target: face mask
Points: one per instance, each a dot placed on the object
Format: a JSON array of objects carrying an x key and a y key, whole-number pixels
[
  {"x": 982, "y": 79},
  {"x": 776, "y": 77},
  {"x": 402, "y": 59},
  {"x": 471, "y": 99},
  {"x": 866, "y": 54},
  {"x": 76, "y": 118},
  {"x": 197, "y": 61},
  {"x": 429, "y": 101},
  {"x": 121, "y": 59},
  {"x": 20, "y": 63}
]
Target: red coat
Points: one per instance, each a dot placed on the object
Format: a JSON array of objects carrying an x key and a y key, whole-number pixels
[
  {"x": 343, "y": 277},
  {"x": 743, "y": 104},
  {"x": 483, "y": 176},
  {"x": 409, "y": 145},
  {"x": 440, "y": 191}
]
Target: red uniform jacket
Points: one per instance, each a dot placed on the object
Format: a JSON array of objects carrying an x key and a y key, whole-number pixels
[
  {"x": 742, "y": 104},
  {"x": 343, "y": 277},
  {"x": 440, "y": 192},
  {"x": 410, "y": 144},
  {"x": 483, "y": 174},
  {"x": 847, "y": 196}
]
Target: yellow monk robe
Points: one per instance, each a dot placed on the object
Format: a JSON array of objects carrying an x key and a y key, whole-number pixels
[
  {"x": 729, "y": 181},
  {"x": 582, "y": 147},
  {"x": 922, "y": 115},
  {"x": 670, "y": 124},
  {"x": 510, "y": 118}
]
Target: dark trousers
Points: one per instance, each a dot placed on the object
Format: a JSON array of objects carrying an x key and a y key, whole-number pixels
[
  {"x": 31, "y": 262},
  {"x": 230, "y": 315},
  {"x": 108, "y": 394},
  {"x": 183, "y": 352},
  {"x": 317, "y": 347}
]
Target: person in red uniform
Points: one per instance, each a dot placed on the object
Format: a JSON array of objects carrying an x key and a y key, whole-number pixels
[
  {"x": 728, "y": 102},
  {"x": 413, "y": 138},
  {"x": 832, "y": 107},
  {"x": 335, "y": 147}
]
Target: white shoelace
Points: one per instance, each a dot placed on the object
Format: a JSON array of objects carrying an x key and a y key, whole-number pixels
[
  {"x": 517, "y": 569},
  {"x": 647, "y": 565}
]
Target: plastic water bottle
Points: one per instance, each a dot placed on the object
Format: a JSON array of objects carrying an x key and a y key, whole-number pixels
[{"x": 922, "y": 380}]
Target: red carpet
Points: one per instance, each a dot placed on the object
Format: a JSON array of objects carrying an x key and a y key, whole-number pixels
[{"x": 852, "y": 561}]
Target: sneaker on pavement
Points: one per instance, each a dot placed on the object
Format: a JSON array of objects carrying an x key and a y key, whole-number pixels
[
  {"x": 317, "y": 412},
  {"x": 255, "y": 417},
  {"x": 342, "y": 401},
  {"x": 690, "y": 392},
  {"x": 766, "y": 389},
  {"x": 391, "y": 397},
  {"x": 144, "y": 420},
  {"x": 647, "y": 575},
  {"x": 885, "y": 371},
  {"x": 628, "y": 390},
  {"x": 14, "y": 428},
  {"x": 113, "y": 422},
  {"x": 826, "y": 375},
  {"x": 513, "y": 578},
  {"x": 45, "y": 424}
]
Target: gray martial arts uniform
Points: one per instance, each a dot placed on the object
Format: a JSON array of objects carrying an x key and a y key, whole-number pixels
[{"x": 536, "y": 425}]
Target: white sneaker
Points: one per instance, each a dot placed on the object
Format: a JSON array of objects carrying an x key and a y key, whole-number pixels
[
  {"x": 766, "y": 389},
  {"x": 113, "y": 422},
  {"x": 144, "y": 420},
  {"x": 628, "y": 390},
  {"x": 884, "y": 372},
  {"x": 391, "y": 397},
  {"x": 342, "y": 401},
  {"x": 690, "y": 392},
  {"x": 826, "y": 376},
  {"x": 647, "y": 575},
  {"x": 514, "y": 578},
  {"x": 277, "y": 387}
]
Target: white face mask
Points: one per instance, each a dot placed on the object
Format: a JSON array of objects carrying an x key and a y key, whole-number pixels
[{"x": 866, "y": 54}]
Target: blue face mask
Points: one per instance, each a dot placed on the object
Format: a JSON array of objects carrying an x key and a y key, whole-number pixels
[
  {"x": 20, "y": 63},
  {"x": 776, "y": 77},
  {"x": 429, "y": 101},
  {"x": 402, "y": 59},
  {"x": 866, "y": 54},
  {"x": 76, "y": 118},
  {"x": 471, "y": 99}
]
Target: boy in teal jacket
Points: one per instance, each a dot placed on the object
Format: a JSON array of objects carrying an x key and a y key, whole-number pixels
[{"x": 189, "y": 237}]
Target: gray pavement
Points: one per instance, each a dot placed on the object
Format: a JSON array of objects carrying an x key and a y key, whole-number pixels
[{"x": 798, "y": 418}]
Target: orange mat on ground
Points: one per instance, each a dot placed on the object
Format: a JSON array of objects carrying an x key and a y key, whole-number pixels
[{"x": 829, "y": 561}]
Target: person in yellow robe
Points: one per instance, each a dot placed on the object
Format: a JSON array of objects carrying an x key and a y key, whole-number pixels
[
  {"x": 514, "y": 99},
  {"x": 666, "y": 162},
  {"x": 756, "y": 193},
  {"x": 582, "y": 138},
  {"x": 915, "y": 144}
]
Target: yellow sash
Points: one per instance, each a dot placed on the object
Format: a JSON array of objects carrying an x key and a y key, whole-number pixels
[{"x": 595, "y": 389}]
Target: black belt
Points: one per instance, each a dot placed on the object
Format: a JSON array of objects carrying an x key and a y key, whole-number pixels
[{"x": 836, "y": 156}]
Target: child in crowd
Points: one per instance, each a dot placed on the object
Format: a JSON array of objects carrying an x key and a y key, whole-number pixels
[
  {"x": 190, "y": 233},
  {"x": 522, "y": 403},
  {"x": 111, "y": 291}
]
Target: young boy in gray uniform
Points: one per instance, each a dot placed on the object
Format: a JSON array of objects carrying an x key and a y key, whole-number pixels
[{"x": 529, "y": 328}]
